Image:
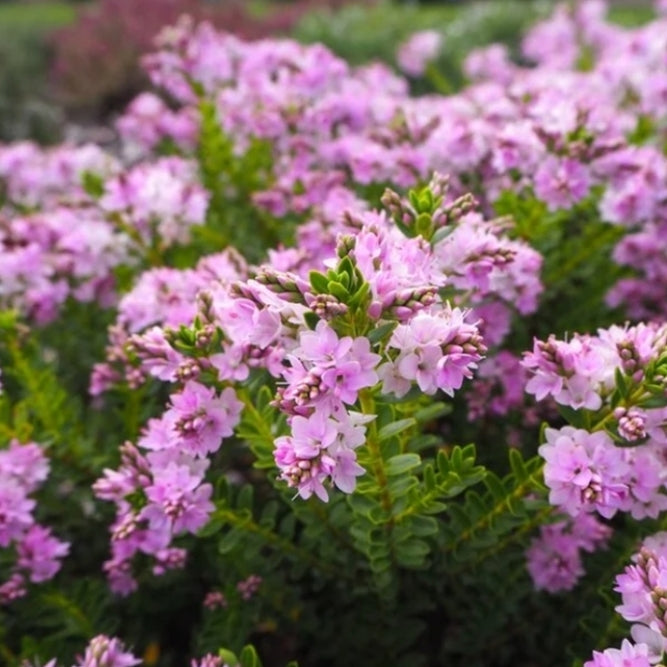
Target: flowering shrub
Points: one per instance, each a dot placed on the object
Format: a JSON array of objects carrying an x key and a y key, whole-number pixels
[{"x": 244, "y": 362}]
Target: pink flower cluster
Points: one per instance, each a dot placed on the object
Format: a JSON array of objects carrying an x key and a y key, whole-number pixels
[
  {"x": 643, "y": 589},
  {"x": 38, "y": 554},
  {"x": 49, "y": 256},
  {"x": 36, "y": 178},
  {"x": 148, "y": 122},
  {"x": 158, "y": 201},
  {"x": 613, "y": 377},
  {"x": 435, "y": 350},
  {"x": 161, "y": 299},
  {"x": 587, "y": 472},
  {"x": 162, "y": 494},
  {"x": 261, "y": 322},
  {"x": 326, "y": 374},
  {"x": 554, "y": 556},
  {"x": 59, "y": 241},
  {"x": 249, "y": 587},
  {"x": 104, "y": 651},
  {"x": 581, "y": 373}
]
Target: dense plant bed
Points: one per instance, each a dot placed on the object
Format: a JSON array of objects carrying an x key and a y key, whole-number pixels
[{"x": 342, "y": 374}]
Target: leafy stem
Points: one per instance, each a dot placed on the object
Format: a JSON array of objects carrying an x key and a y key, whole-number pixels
[{"x": 244, "y": 522}]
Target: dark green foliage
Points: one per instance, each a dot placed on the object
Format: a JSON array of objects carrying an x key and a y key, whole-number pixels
[
  {"x": 27, "y": 110},
  {"x": 233, "y": 220},
  {"x": 360, "y": 34},
  {"x": 577, "y": 246}
]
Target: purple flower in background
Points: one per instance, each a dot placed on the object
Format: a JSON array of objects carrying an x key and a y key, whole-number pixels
[
  {"x": 418, "y": 51},
  {"x": 561, "y": 183},
  {"x": 39, "y": 553},
  {"x": 554, "y": 556}
]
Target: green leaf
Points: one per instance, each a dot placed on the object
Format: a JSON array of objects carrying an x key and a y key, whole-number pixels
[
  {"x": 245, "y": 498},
  {"x": 424, "y": 225},
  {"x": 230, "y": 541},
  {"x": 435, "y": 507},
  {"x": 412, "y": 554},
  {"x": 345, "y": 266},
  {"x": 263, "y": 398},
  {"x": 518, "y": 466},
  {"x": 429, "y": 477},
  {"x": 574, "y": 417},
  {"x": 211, "y": 528},
  {"x": 431, "y": 412},
  {"x": 621, "y": 383},
  {"x": 397, "y": 465},
  {"x": 319, "y": 282},
  {"x": 312, "y": 319},
  {"x": 249, "y": 657},
  {"x": 414, "y": 199},
  {"x": 228, "y": 657},
  {"x": 654, "y": 402},
  {"x": 339, "y": 290},
  {"x": 360, "y": 296},
  {"x": 399, "y": 486},
  {"x": 495, "y": 487},
  {"x": 390, "y": 430},
  {"x": 93, "y": 184},
  {"x": 362, "y": 504},
  {"x": 422, "y": 526},
  {"x": 377, "y": 334}
]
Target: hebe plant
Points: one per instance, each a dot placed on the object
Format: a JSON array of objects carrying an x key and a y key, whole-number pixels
[{"x": 273, "y": 385}]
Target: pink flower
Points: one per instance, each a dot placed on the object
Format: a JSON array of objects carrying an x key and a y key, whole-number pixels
[
  {"x": 584, "y": 471},
  {"x": 629, "y": 655},
  {"x": 178, "y": 499},
  {"x": 15, "y": 511},
  {"x": 321, "y": 449},
  {"x": 437, "y": 350},
  {"x": 561, "y": 183},
  {"x": 554, "y": 557},
  {"x": 103, "y": 651},
  {"x": 421, "y": 48},
  {"x": 554, "y": 562},
  {"x": 39, "y": 553},
  {"x": 199, "y": 420}
]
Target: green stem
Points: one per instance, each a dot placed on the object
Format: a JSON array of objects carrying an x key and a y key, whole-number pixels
[
  {"x": 588, "y": 250},
  {"x": 438, "y": 80},
  {"x": 278, "y": 543},
  {"x": 423, "y": 501},
  {"x": 375, "y": 461},
  {"x": 498, "y": 509},
  {"x": 263, "y": 428},
  {"x": 316, "y": 507},
  {"x": 515, "y": 536},
  {"x": 375, "y": 455}
]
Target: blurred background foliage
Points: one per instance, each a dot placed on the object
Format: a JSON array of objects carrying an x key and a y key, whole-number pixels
[{"x": 64, "y": 65}]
